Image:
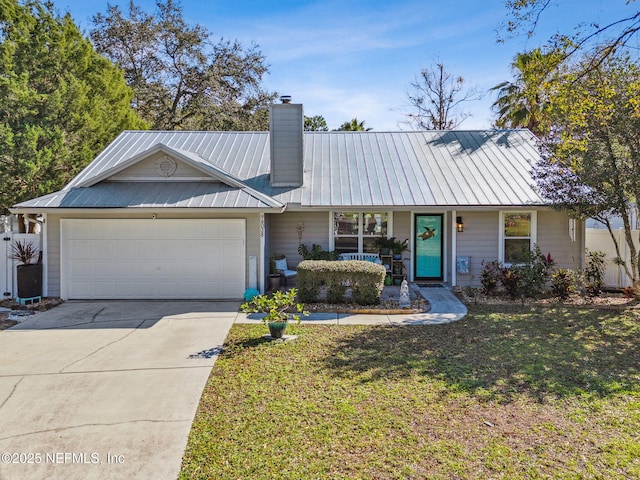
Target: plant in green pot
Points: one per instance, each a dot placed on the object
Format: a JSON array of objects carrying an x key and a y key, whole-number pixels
[{"x": 278, "y": 307}]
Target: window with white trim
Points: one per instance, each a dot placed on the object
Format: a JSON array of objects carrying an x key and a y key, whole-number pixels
[
  {"x": 357, "y": 231},
  {"x": 517, "y": 235}
]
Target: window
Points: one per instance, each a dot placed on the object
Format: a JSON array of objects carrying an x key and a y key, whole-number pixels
[
  {"x": 517, "y": 235},
  {"x": 357, "y": 231}
]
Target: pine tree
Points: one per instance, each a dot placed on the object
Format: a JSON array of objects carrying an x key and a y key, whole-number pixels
[{"x": 61, "y": 104}]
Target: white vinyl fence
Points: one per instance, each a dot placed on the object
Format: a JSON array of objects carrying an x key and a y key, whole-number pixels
[
  {"x": 598, "y": 239},
  {"x": 8, "y": 288}
]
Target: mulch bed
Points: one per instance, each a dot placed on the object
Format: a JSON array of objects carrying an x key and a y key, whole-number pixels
[
  {"x": 386, "y": 307},
  {"x": 605, "y": 300},
  {"x": 45, "y": 304}
]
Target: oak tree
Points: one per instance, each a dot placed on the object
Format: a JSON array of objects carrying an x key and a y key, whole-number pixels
[{"x": 181, "y": 79}]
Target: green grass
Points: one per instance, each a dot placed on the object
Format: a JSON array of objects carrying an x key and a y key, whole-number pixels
[{"x": 508, "y": 392}]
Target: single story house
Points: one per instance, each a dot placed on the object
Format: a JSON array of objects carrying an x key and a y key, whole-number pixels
[{"x": 179, "y": 214}]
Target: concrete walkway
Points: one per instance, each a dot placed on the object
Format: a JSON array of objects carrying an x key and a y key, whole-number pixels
[
  {"x": 105, "y": 390},
  {"x": 445, "y": 308}
]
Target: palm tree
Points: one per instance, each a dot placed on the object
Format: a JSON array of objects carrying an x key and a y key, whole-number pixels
[
  {"x": 354, "y": 126},
  {"x": 522, "y": 103}
]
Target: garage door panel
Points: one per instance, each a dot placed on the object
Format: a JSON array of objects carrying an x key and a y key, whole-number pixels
[{"x": 132, "y": 259}]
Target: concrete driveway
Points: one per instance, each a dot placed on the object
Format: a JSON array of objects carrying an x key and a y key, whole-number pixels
[{"x": 105, "y": 389}]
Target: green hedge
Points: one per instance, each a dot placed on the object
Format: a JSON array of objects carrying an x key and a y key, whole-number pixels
[{"x": 366, "y": 280}]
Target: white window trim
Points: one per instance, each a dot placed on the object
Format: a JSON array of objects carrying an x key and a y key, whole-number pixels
[
  {"x": 533, "y": 234},
  {"x": 361, "y": 212}
]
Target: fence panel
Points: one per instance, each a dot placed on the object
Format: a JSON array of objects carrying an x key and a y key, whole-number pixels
[
  {"x": 8, "y": 287},
  {"x": 598, "y": 239}
]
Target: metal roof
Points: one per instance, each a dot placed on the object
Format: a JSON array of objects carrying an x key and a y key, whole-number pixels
[
  {"x": 150, "y": 195},
  {"x": 341, "y": 169}
]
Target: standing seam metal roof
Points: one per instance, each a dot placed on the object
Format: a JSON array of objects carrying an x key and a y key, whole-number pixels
[{"x": 341, "y": 169}]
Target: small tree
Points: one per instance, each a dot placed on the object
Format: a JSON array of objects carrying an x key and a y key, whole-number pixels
[{"x": 591, "y": 159}]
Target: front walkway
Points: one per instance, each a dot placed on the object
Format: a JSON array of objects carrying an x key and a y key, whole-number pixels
[{"x": 445, "y": 308}]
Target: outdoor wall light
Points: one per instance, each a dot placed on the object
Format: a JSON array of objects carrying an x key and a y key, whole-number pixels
[{"x": 459, "y": 224}]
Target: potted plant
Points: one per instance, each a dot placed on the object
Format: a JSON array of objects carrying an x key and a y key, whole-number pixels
[
  {"x": 384, "y": 244},
  {"x": 279, "y": 308},
  {"x": 398, "y": 247},
  {"x": 29, "y": 275}
]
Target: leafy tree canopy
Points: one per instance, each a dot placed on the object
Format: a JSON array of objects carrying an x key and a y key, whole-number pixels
[
  {"x": 61, "y": 101},
  {"x": 353, "y": 126},
  {"x": 180, "y": 78},
  {"x": 317, "y": 123},
  {"x": 524, "y": 101},
  {"x": 592, "y": 167},
  {"x": 601, "y": 40}
]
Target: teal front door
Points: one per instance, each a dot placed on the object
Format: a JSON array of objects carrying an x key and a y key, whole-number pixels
[{"x": 428, "y": 242}]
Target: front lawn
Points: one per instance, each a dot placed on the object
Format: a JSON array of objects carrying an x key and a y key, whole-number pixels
[{"x": 508, "y": 392}]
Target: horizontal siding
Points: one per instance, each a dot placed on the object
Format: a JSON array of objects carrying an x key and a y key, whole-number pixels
[
  {"x": 479, "y": 242},
  {"x": 53, "y": 255},
  {"x": 553, "y": 238},
  {"x": 284, "y": 235},
  {"x": 148, "y": 168}
]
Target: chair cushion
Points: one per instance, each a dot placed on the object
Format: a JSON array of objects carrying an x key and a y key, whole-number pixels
[{"x": 281, "y": 264}]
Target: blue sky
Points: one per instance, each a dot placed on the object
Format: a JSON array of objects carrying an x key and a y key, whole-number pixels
[{"x": 344, "y": 59}]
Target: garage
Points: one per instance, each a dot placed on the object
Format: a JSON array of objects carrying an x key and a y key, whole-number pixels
[{"x": 152, "y": 258}]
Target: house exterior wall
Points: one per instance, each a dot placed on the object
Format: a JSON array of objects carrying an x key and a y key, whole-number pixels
[
  {"x": 553, "y": 238},
  {"x": 284, "y": 235},
  {"x": 54, "y": 247},
  {"x": 479, "y": 242},
  {"x": 481, "y": 237}
]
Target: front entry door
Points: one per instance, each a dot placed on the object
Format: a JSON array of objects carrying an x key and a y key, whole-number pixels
[{"x": 428, "y": 242}]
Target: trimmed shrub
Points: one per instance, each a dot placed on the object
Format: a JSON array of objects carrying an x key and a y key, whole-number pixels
[
  {"x": 309, "y": 280},
  {"x": 366, "y": 280},
  {"x": 316, "y": 253},
  {"x": 335, "y": 292}
]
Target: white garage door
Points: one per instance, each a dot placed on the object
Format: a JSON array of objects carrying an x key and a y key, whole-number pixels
[{"x": 152, "y": 259}]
